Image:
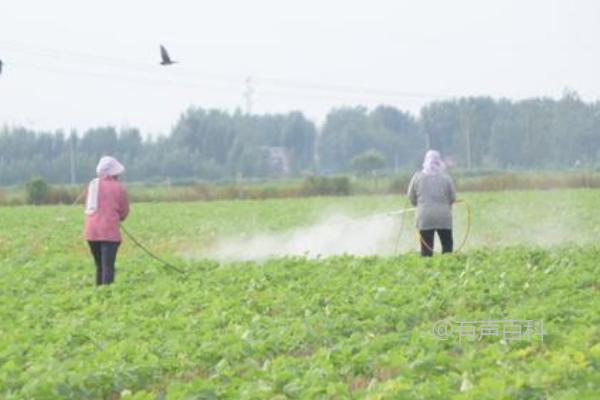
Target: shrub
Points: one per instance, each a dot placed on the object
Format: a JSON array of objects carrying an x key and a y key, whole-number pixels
[
  {"x": 64, "y": 195},
  {"x": 36, "y": 191},
  {"x": 326, "y": 186},
  {"x": 399, "y": 184},
  {"x": 368, "y": 163}
]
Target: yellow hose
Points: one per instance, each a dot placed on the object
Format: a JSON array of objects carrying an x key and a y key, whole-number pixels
[
  {"x": 465, "y": 236},
  {"x": 468, "y": 230}
]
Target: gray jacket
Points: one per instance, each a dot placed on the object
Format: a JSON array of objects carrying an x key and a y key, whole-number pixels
[{"x": 433, "y": 196}]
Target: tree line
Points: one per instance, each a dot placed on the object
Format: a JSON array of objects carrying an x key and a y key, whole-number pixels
[{"x": 473, "y": 133}]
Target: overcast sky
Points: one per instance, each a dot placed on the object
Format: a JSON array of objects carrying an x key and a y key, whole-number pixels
[{"x": 77, "y": 64}]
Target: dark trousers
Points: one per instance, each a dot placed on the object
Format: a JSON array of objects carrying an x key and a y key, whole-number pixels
[
  {"x": 427, "y": 238},
  {"x": 105, "y": 255}
]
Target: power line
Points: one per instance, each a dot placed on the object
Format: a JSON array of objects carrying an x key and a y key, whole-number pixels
[
  {"x": 268, "y": 82},
  {"x": 108, "y": 61},
  {"x": 230, "y": 88},
  {"x": 354, "y": 89},
  {"x": 145, "y": 80}
]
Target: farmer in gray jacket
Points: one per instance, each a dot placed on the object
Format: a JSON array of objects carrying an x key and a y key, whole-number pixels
[{"x": 432, "y": 192}]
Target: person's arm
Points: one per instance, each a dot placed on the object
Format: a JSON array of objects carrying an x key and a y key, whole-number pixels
[
  {"x": 412, "y": 190},
  {"x": 124, "y": 204}
]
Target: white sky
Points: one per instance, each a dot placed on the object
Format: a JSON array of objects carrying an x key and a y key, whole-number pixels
[{"x": 77, "y": 64}]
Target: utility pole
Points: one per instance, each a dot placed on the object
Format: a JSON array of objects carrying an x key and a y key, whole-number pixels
[
  {"x": 427, "y": 133},
  {"x": 72, "y": 156},
  {"x": 467, "y": 119},
  {"x": 248, "y": 93}
]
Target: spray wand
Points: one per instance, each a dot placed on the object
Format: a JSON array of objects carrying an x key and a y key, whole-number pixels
[{"x": 400, "y": 212}]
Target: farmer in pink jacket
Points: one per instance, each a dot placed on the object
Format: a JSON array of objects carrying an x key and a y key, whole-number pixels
[{"x": 106, "y": 206}]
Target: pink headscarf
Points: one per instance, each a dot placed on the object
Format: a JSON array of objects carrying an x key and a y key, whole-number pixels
[
  {"x": 109, "y": 166},
  {"x": 433, "y": 163}
]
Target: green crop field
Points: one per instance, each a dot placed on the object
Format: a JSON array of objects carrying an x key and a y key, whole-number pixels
[{"x": 238, "y": 325}]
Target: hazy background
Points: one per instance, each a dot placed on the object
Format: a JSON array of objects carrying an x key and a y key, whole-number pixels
[{"x": 73, "y": 64}]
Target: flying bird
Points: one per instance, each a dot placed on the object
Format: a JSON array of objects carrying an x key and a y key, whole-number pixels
[{"x": 164, "y": 56}]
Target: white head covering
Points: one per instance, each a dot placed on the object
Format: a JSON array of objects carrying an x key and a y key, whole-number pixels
[
  {"x": 109, "y": 166},
  {"x": 433, "y": 163}
]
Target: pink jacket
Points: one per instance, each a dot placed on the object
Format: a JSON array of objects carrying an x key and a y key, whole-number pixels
[{"x": 113, "y": 207}]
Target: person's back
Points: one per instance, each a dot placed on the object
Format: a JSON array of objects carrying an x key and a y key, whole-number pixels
[
  {"x": 433, "y": 195},
  {"x": 113, "y": 207}
]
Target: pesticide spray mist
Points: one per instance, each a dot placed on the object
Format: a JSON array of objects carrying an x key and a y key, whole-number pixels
[
  {"x": 534, "y": 219},
  {"x": 332, "y": 235}
]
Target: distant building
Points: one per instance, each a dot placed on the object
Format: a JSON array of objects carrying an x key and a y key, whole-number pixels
[{"x": 278, "y": 160}]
